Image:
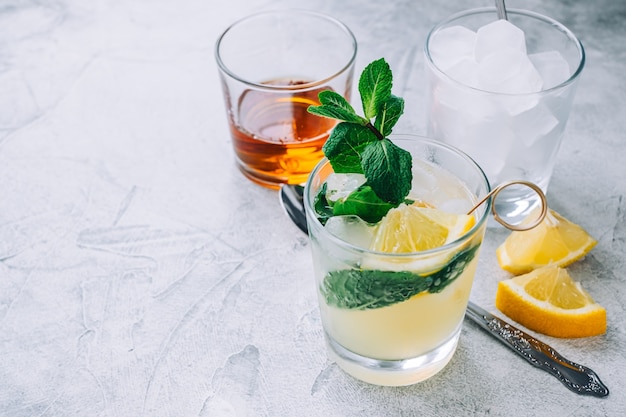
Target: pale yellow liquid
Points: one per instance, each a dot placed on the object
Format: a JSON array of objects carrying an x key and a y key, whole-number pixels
[{"x": 403, "y": 330}]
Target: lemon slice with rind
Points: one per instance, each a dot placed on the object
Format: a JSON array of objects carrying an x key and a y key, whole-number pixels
[
  {"x": 547, "y": 300},
  {"x": 555, "y": 241},
  {"x": 416, "y": 228}
]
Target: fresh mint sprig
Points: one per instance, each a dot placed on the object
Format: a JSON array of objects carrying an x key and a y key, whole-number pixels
[{"x": 360, "y": 144}]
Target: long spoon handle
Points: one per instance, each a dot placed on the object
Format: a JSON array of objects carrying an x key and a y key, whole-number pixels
[
  {"x": 501, "y": 9},
  {"x": 575, "y": 377}
]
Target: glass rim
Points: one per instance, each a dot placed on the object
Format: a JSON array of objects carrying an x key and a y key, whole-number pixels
[
  {"x": 520, "y": 12},
  {"x": 486, "y": 207},
  {"x": 309, "y": 13}
]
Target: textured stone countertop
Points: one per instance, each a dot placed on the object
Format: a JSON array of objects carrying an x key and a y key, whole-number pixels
[{"x": 142, "y": 275}]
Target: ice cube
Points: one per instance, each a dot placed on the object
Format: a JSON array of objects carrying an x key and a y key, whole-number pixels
[
  {"x": 450, "y": 45},
  {"x": 552, "y": 67},
  {"x": 424, "y": 181},
  {"x": 538, "y": 158},
  {"x": 534, "y": 124},
  {"x": 444, "y": 122},
  {"x": 489, "y": 143},
  {"x": 516, "y": 104},
  {"x": 496, "y": 36},
  {"x": 477, "y": 104},
  {"x": 465, "y": 71},
  {"x": 455, "y": 205},
  {"x": 462, "y": 119},
  {"x": 508, "y": 71},
  {"x": 339, "y": 186},
  {"x": 351, "y": 229}
]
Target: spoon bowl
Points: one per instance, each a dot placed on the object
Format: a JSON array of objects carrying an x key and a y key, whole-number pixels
[{"x": 292, "y": 201}]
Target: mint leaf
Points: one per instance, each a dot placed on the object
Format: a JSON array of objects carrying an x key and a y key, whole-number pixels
[
  {"x": 388, "y": 114},
  {"x": 322, "y": 206},
  {"x": 452, "y": 270},
  {"x": 334, "y": 106},
  {"x": 345, "y": 145},
  {"x": 368, "y": 289},
  {"x": 363, "y": 202},
  {"x": 387, "y": 168},
  {"x": 375, "y": 86}
]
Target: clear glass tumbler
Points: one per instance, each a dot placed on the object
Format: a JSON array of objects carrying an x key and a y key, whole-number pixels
[
  {"x": 381, "y": 325},
  {"x": 515, "y": 134},
  {"x": 272, "y": 66}
]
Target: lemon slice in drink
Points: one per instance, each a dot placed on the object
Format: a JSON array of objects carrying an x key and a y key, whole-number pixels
[
  {"x": 549, "y": 301},
  {"x": 555, "y": 241},
  {"x": 416, "y": 228}
]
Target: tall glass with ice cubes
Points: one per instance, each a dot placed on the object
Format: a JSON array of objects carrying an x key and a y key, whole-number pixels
[
  {"x": 502, "y": 91},
  {"x": 395, "y": 318}
]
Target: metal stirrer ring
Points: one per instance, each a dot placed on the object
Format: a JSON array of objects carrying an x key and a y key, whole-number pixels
[{"x": 515, "y": 227}]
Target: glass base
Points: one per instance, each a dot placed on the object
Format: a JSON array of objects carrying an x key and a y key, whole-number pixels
[
  {"x": 393, "y": 372},
  {"x": 270, "y": 181},
  {"x": 263, "y": 180}
]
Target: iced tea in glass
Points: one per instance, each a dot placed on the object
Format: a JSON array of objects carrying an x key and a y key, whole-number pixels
[{"x": 272, "y": 67}]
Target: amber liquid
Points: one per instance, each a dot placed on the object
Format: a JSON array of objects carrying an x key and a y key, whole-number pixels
[{"x": 276, "y": 140}]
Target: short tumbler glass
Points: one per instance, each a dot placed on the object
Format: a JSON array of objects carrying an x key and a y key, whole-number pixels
[
  {"x": 376, "y": 327},
  {"x": 272, "y": 66},
  {"x": 512, "y": 136}
]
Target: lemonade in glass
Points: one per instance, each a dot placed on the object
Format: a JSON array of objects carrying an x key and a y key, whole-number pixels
[{"x": 393, "y": 292}]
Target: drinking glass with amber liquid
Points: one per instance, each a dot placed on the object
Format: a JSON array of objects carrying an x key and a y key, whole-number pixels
[{"x": 272, "y": 67}]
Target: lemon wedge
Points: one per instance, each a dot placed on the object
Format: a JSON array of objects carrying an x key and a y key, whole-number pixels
[
  {"x": 415, "y": 228},
  {"x": 555, "y": 241},
  {"x": 547, "y": 300}
]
